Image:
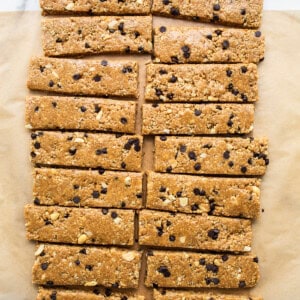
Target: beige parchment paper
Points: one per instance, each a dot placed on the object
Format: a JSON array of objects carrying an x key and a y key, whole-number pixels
[{"x": 276, "y": 233}]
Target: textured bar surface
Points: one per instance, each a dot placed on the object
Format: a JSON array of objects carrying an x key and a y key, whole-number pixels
[
  {"x": 95, "y": 35},
  {"x": 161, "y": 229},
  {"x": 48, "y": 112},
  {"x": 188, "y": 269},
  {"x": 210, "y": 155},
  {"x": 89, "y": 266},
  {"x": 95, "y": 294},
  {"x": 84, "y": 77},
  {"x": 207, "y": 45},
  {"x": 104, "y": 151},
  {"x": 89, "y": 188},
  {"x": 191, "y": 295},
  {"x": 206, "y": 82},
  {"x": 172, "y": 118},
  {"x": 79, "y": 225},
  {"x": 96, "y": 7},
  {"x": 241, "y": 13},
  {"x": 229, "y": 197}
]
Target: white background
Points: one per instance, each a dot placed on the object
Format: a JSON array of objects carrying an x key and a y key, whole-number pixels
[{"x": 8, "y": 5}]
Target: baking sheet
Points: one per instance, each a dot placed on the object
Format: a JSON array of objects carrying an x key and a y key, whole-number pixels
[{"x": 276, "y": 236}]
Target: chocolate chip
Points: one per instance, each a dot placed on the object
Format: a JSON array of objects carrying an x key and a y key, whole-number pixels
[
  {"x": 174, "y": 11},
  {"x": 244, "y": 97},
  {"x": 95, "y": 194},
  {"x": 96, "y": 291},
  {"x": 127, "y": 69},
  {"x": 173, "y": 79},
  {"x": 164, "y": 270},
  {"x": 230, "y": 123},
  {"x": 36, "y": 201},
  {"x": 103, "y": 191},
  {"x": 104, "y": 211},
  {"x": 197, "y": 112},
  {"x": 72, "y": 151},
  {"x": 123, "y": 120},
  {"x": 44, "y": 266},
  {"x": 169, "y": 169},
  {"x": 216, "y": 7},
  {"x": 76, "y": 199},
  {"x": 114, "y": 215},
  {"x": 209, "y": 37},
  {"x": 33, "y": 136},
  {"x": 121, "y": 28},
  {"x": 97, "y": 78},
  {"x": 33, "y": 155},
  {"x": 182, "y": 148},
  {"x": 226, "y": 154},
  {"x": 89, "y": 267},
  {"x": 224, "y": 257},
  {"x": 115, "y": 285},
  {"x": 155, "y": 285},
  {"x": 225, "y": 44},
  {"x": 186, "y": 51},
  {"x": 101, "y": 170},
  {"x": 160, "y": 230},
  {"x": 215, "y": 18},
  {"x": 243, "y": 11},
  {"x": 83, "y": 108},
  {"x": 218, "y": 32},
  {"x": 131, "y": 142},
  {"x": 54, "y": 104},
  {"x": 172, "y": 238},
  {"x": 215, "y": 281},
  {"x": 136, "y": 34},
  {"x": 202, "y": 261},
  {"x": 101, "y": 151},
  {"x": 169, "y": 223},
  {"x": 213, "y": 234},
  {"x": 162, "y": 72},
  {"x": 79, "y": 31},
  {"x": 107, "y": 292},
  {"x": 212, "y": 268},
  {"x": 166, "y": 2},
  {"x": 42, "y": 69},
  {"x": 141, "y": 49},
  {"x": 170, "y": 96},
  {"x": 163, "y": 138},
  {"x": 163, "y": 29},
  {"x": 255, "y": 259},
  {"x": 244, "y": 69},
  {"x": 37, "y": 145},
  {"x": 77, "y": 76},
  {"x": 104, "y": 63},
  {"x": 228, "y": 73},
  {"x": 244, "y": 170},
  {"x": 231, "y": 164},
  {"x": 179, "y": 194},
  {"x": 199, "y": 192},
  {"x": 257, "y": 33},
  {"x": 53, "y": 295},
  {"x": 51, "y": 83},
  {"x": 123, "y": 204},
  {"x": 158, "y": 92},
  {"x": 162, "y": 189},
  {"x": 192, "y": 155},
  {"x": 123, "y": 165},
  {"x": 174, "y": 59},
  {"x": 250, "y": 161},
  {"x": 195, "y": 207},
  {"x": 87, "y": 45},
  {"x": 197, "y": 167},
  {"x": 242, "y": 284}
]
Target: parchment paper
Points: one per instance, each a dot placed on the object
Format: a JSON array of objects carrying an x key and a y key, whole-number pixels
[{"x": 276, "y": 234}]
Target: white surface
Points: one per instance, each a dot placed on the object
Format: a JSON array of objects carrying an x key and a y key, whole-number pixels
[{"x": 10, "y": 5}]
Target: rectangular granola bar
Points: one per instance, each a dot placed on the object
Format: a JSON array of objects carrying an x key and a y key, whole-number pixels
[
  {"x": 86, "y": 266},
  {"x": 210, "y": 155},
  {"x": 241, "y": 13},
  {"x": 202, "y": 82},
  {"x": 229, "y": 197},
  {"x": 191, "y": 119},
  {"x": 162, "y": 229},
  {"x": 49, "y": 112},
  {"x": 78, "y": 149},
  {"x": 95, "y": 35},
  {"x": 79, "y": 225},
  {"x": 96, "y": 7},
  {"x": 95, "y": 294},
  {"x": 207, "y": 45},
  {"x": 84, "y": 77},
  {"x": 188, "y": 269},
  {"x": 87, "y": 188},
  {"x": 191, "y": 295}
]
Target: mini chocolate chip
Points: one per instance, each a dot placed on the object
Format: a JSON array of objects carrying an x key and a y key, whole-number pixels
[
  {"x": 215, "y": 18},
  {"x": 209, "y": 37},
  {"x": 186, "y": 51},
  {"x": 77, "y": 262},
  {"x": 244, "y": 69},
  {"x": 127, "y": 69},
  {"x": 182, "y": 148},
  {"x": 136, "y": 34},
  {"x": 169, "y": 223},
  {"x": 170, "y": 96},
  {"x": 231, "y": 164},
  {"x": 104, "y": 191},
  {"x": 44, "y": 266},
  {"x": 89, "y": 267},
  {"x": 195, "y": 207},
  {"x": 123, "y": 204},
  {"x": 96, "y": 291},
  {"x": 123, "y": 165},
  {"x": 95, "y": 194},
  {"x": 87, "y": 45},
  {"x": 101, "y": 170},
  {"x": 37, "y": 145},
  {"x": 250, "y": 161},
  {"x": 169, "y": 169},
  {"x": 155, "y": 285},
  {"x": 202, "y": 261},
  {"x": 243, "y": 11},
  {"x": 230, "y": 123},
  {"x": 104, "y": 211},
  {"x": 224, "y": 257},
  {"x": 174, "y": 59},
  {"x": 163, "y": 29},
  {"x": 33, "y": 155},
  {"x": 36, "y": 201},
  {"x": 162, "y": 189},
  {"x": 216, "y": 7},
  {"x": 244, "y": 170},
  {"x": 104, "y": 63},
  {"x": 225, "y": 44},
  {"x": 226, "y": 154},
  {"x": 123, "y": 120},
  {"x": 97, "y": 78},
  {"x": 115, "y": 285},
  {"x": 242, "y": 284},
  {"x": 174, "y": 11},
  {"x": 199, "y": 192},
  {"x": 49, "y": 283},
  {"x": 179, "y": 194},
  {"x": 197, "y": 167},
  {"x": 162, "y": 72},
  {"x": 173, "y": 79},
  {"x": 192, "y": 155},
  {"x": 244, "y": 97},
  {"x": 228, "y": 73},
  {"x": 76, "y": 199},
  {"x": 160, "y": 230},
  {"x": 257, "y": 33},
  {"x": 218, "y": 32},
  {"x": 107, "y": 292},
  {"x": 82, "y": 251},
  {"x": 114, "y": 215},
  {"x": 172, "y": 238},
  {"x": 219, "y": 107},
  {"x": 213, "y": 234},
  {"x": 72, "y": 151},
  {"x": 166, "y": 2},
  {"x": 164, "y": 270},
  {"x": 53, "y": 295},
  {"x": 51, "y": 83},
  {"x": 255, "y": 259},
  {"x": 33, "y": 136},
  {"x": 212, "y": 268},
  {"x": 197, "y": 112},
  {"x": 101, "y": 151},
  {"x": 77, "y": 76},
  {"x": 158, "y": 92},
  {"x": 59, "y": 40},
  {"x": 141, "y": 49},
  {"x": 163, "y": 138},
  {"x": 79, "y": 31},
  {"x": 83, "y": 108},
  {"x": 42, "y": 69},
  {"x": 215, "y": 281}
]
